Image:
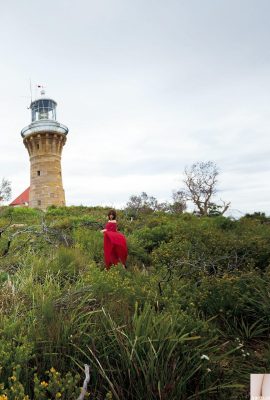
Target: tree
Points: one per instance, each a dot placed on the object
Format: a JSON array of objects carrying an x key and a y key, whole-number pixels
[
  {"x": 5, "y": 190},
  {"x": 258, "y": 216},
  {"x": 179, "y": 204},
  {"x": 144, "y": 204},
  {"x": 141, "y": 204},
  {"x": 201, "y": 186}
]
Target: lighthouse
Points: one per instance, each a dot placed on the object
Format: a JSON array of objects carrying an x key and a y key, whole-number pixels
[{"x": 44, "y": 139}]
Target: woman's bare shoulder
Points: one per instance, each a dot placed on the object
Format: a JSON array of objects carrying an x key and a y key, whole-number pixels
[{"x": 113, "y": 220}]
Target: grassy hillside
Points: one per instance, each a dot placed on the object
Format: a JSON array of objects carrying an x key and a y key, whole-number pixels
[{"x": 188, "y": 319}]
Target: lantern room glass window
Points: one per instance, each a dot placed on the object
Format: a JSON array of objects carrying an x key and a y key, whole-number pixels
[{"x": 43, "y": 109}]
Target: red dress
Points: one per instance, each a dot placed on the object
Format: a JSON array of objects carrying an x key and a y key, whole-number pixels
[{"x": 115, "y": 246}]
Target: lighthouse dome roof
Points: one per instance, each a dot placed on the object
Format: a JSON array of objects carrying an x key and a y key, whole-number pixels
[{"x": 43, "y": 101}]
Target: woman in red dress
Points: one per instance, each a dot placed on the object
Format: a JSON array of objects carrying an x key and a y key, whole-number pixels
[{"x": 115, "y": 245}]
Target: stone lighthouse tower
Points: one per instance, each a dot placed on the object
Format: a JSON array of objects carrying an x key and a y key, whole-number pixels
[{"x": 44, "y": 139}]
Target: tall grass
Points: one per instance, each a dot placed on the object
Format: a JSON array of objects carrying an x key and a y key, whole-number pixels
[{"x": 155, "y": 358}]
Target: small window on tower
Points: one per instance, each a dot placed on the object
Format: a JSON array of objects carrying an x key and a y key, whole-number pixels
[
  {"x": 38, "y": 172},
  {"x": 38, "y": 146},
  {"x": 39, "y": 202}
]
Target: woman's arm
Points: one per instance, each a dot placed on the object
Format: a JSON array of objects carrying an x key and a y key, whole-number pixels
[
  {"x": 256, "y": 385},
  {"x": 103, "y": 230}
]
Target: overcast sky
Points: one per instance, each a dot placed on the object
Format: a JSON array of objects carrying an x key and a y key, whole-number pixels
[{"x": 146, "y": 87}]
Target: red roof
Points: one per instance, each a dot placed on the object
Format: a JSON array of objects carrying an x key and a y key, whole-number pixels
[{"x": 22, "y": 200}]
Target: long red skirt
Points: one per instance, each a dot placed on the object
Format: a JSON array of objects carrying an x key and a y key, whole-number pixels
[{"x": 115, "y": 248}]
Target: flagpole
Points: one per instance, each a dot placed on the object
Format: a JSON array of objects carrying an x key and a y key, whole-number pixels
[{"x": 31, "y": 90}]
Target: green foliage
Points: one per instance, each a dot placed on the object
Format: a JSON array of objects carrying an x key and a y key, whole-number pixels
[
  {"x": 91, "y": 242},
  {"x": 159, "y": 352},
  {"x": 53, "y": 384},
  {"x": 258, "y": 216},
  {"x": 243, "y": 328},
  {"x": 136, "y": 251},
  {"x": 57, "y": 386},
  {"x": 21, "y": 214},
  {"x": 65, "y": 264},
  {"x": 192, "y": 287},
  {"x": 236, "y": 305},
  {"x": 214, "y": 245},
  {"x": 152, "y": 237}
]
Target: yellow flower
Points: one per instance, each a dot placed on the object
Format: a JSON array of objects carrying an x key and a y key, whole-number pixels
[
  {"x": 44, "y": 384},
  {"x": 13, "y": 378},
  {"x": 58, "y": 394},
  {"x": 3, "y": 397},
  {"x": 52, "y": 370}
]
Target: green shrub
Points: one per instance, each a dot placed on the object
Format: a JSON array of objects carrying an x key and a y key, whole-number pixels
[
  {"x": 151, "y": 238},
  {"x": 204, "y": 246},
  {"x": 64, "y": 264},
  {"x": 15, "y": 352},
  {"x": 51, "y": 385},
  {"x": 91, "y": 242},
  {"x": 240, "y": 304},
  {"x": 137, "y": 255}
]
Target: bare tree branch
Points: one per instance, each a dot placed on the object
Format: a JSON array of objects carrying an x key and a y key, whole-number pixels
[{"x": 201, "y": 181}]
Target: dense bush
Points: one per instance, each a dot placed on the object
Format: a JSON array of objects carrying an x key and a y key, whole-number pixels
[{"x": 212, "y": 245}]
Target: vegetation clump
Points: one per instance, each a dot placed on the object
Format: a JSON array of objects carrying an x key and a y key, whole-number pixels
[{"x": 188, "y": 319}]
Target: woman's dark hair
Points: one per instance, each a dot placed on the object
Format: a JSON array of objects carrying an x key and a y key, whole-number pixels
[{"x": 112, "y": 212}]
